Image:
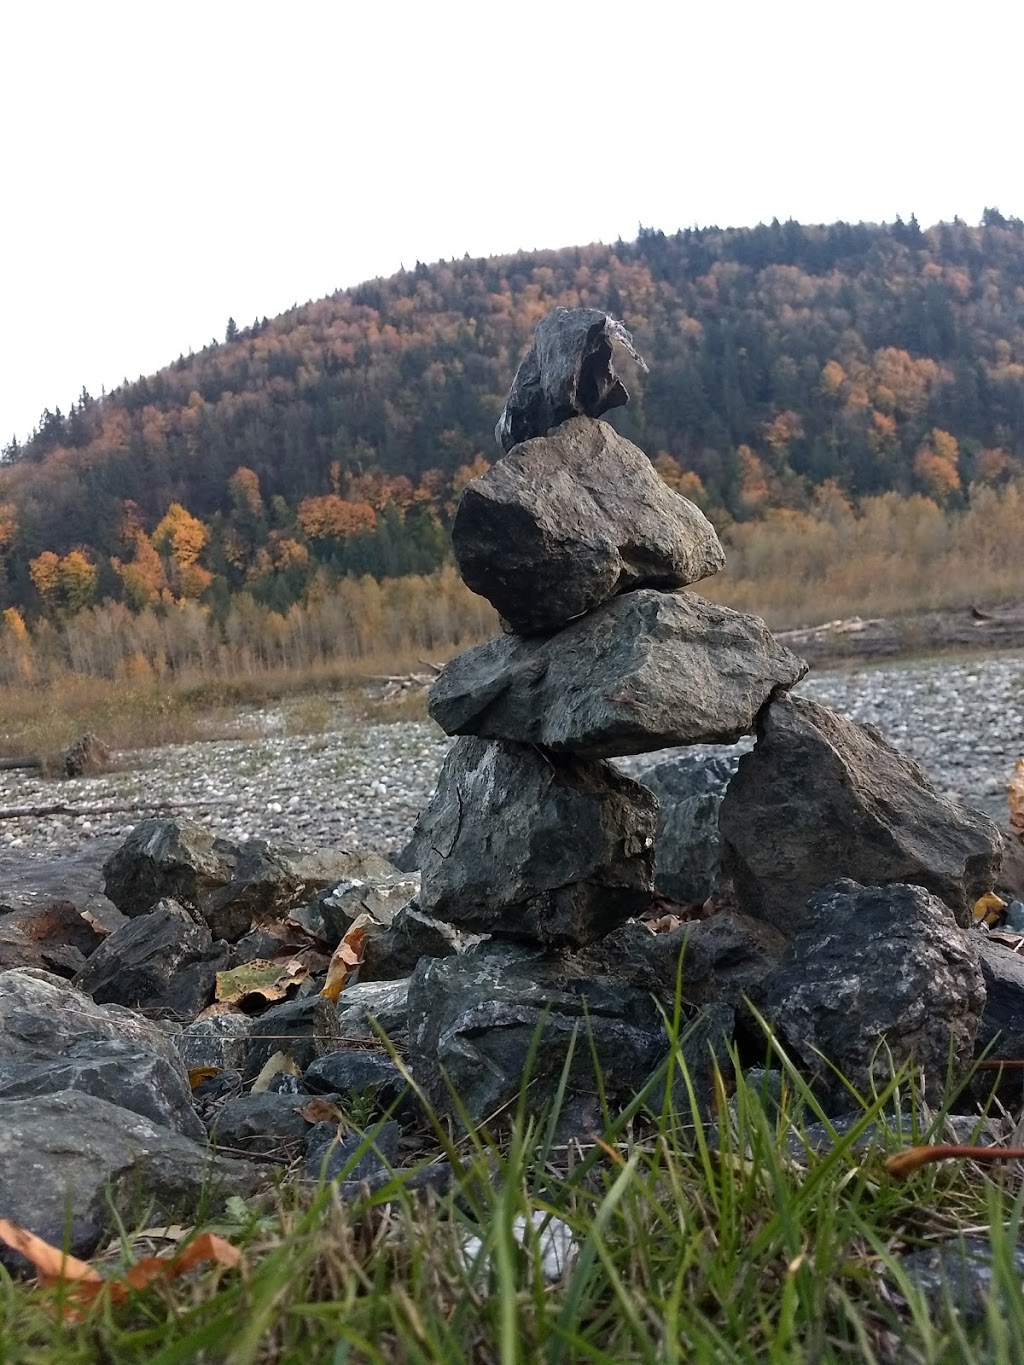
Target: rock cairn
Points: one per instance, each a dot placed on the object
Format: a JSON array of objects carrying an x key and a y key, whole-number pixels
[
  {"x": 534, "y": 839},
  {"x": 584, "y": 551}
]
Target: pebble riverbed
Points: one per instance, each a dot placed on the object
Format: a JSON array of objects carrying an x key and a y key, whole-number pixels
[{"x": 360, "y": 785}]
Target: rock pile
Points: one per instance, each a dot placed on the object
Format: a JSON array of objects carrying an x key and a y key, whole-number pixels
[{"x": 534, "y": 839}]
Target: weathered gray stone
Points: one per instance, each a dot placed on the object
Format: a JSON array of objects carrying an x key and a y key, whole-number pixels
[
  {"x": 288, "y": 1027},
  {"x": 164, "y": 962},
  {"x": 261, "y": 1123},
  {"x": 690, "y": 790},
  {"x": 362, "y": 1010},
  {"x": 228, "y": 883},
  {"x": 354, "y": 1071},
  {"x": 382, "y": 897},
  {"x": 875, "y": 977},
  {"x": 567, "y": 372},
  {"x": 568, "y": 521},
  {"x": 72, "y": 1158},
  {"x": 537, "y": 846},
  {"x": 1002, "y": 1024},
  {"x": 43, "y": 1017},
  {"x": 648, "y": 670},
  {"x": 724, "y": 959},
  {"x": 55, "y": 937},
  {"x": 820, "y": 797},
  {"x": 218, "y": 1041},
  {"x": 475, "y": 1022},
  {"x": 412, "y": 934},
  {"x": 961, "y": 1284},
  {"x": 333, "y": 1156},
  {"x": 114, "y": 1070}
]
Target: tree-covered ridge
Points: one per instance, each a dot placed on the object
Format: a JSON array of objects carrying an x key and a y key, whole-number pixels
[{"x": 335, "y": 438}]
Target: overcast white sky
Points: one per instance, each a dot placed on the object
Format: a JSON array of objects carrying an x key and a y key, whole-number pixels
[{"x": 168, "y": 165}]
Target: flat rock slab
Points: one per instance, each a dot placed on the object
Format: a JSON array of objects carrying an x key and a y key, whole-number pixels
[
  {"x": 820, "y": 797},
  {"x": 567, "y": 372},
  {"x": 568, "y": 521},
  {"x": 648, "y": 670},
  {"x": 535, "y": 846},
  {"x": 877, "y": 977},
  {"x": 72, "y": 1159}
]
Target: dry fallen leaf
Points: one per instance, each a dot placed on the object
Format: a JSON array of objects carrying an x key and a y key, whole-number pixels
[
  {"x": 267, "y": 980},
  {"x": 319, "y": 1110},
  {"x": 83, "y": 1282},
  {"x": 902, "y": 1164},
  {"x": 281, "y": 1063},
  {"x": 347, "y": 955},
  {"x": 198, "y": 1074},
  {"x": 988, "y": 909},
  {"x": 1016, "y": 794}
]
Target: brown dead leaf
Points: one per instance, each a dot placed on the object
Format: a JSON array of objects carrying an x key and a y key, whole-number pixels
[
  {"x": 319, "y": 1110},
  {"x": 1016, "y": 797},
  {"x": 988, "y": 909},
  {"x": 198, "y": 1074},
  {"x": 83, "y": 1282},
  {"x": 902, "y": 1164},
  {"x": 266, "y": 979},
  {"x": 347, "y": 956},
  {"x": 219, "y": 1007}
]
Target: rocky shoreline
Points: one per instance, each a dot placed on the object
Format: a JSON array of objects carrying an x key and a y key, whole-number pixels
[{"x": 362, "y": 786}]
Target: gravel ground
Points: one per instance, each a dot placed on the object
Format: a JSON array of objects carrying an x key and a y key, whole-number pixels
[{"x": 363, "y": 785}]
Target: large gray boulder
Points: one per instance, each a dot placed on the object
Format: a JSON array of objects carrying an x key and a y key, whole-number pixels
[
  {"x": 566, "y": 522},
  {"x": 535, "y": 846},
  {"x": 53, "y": 1037},
  {"x": 164, "y": 962},
  {"x": 113, "y": 1070},
  {"x": 71, "y": 1160},
  {"x": 476, "y": 1020},
  {"x": 228, "y": 883},
  {"x": 647, "y": 670},
  {"x": 567, "y": 372},
  {"x": 42, "y": 1017},
  {"x": 820, "y": 797},
  {"x": 874, "y": 978}
]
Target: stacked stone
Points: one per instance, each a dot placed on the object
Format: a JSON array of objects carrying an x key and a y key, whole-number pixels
[{"x": 585, "y": 553}]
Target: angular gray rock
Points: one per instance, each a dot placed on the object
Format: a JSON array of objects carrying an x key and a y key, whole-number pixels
[
  {"x": 333, "y": 1156},
  {"x": 724, "y": 959},
  {"x": 164, "y": 962},
  {"x": 567, "y": 372},
  {"x": 43, "y": 1017},
  {"x": 474, "y": 1021},
  {"x": 72, "y": 1158},
  {"x": 690, "y": 790},
  {"x": 820, "y": 797},
  {"x": 1002, "y": 1025},
  {"x": 55, "y": 937},
  {"x": 218, "y": 1041},
  {"x": 535, "y": 846},
  {"x": 113, "y": 1070},
  {"x": 395, "y": 951},
  {"x": 874, "y": 977},
  {"x": 228, "y": 883},
  {"x": 362, "y": 1009},
  {"x": 382, "y": 897},
  {"x": 288, "y": 1027},
  {"x": 261, "y": 1123},
  {"x": 647, "y": 670},
  {"x": 568, "y": 521}
]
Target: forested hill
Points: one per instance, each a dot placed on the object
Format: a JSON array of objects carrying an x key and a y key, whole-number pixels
[{"x": 336, "y": 436}]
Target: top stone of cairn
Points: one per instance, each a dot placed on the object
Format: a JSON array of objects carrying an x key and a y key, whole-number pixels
[{"x": 567, "y": 372}]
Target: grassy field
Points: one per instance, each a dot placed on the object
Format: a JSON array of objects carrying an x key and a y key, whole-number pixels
[{"x": 671, "y": 1240}]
